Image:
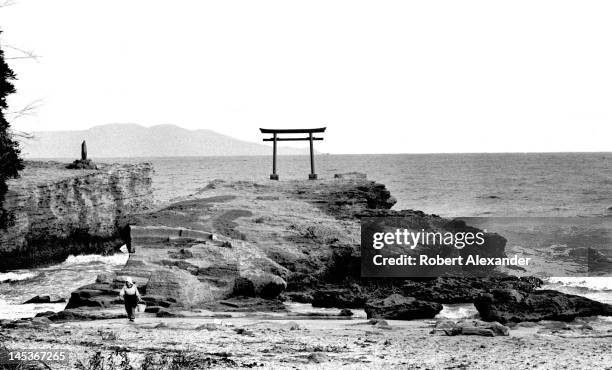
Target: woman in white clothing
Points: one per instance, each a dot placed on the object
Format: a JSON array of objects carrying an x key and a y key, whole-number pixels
[{"x": 131, "y": 297}]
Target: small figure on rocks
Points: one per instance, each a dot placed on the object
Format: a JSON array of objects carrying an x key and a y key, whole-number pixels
[{"x": 131, "y": 297}]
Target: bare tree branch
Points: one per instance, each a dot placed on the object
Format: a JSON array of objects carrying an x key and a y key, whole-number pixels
[
  {"x": 25, "y": 54},
  {"x": 22, "y": 134},
  {"x": 29, "y": 110}
]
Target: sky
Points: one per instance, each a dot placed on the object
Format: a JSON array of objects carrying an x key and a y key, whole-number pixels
[{"x": 383, "y": 76}]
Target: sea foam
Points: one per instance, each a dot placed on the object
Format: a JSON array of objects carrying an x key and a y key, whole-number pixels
[{"x": 16, "y": 276}]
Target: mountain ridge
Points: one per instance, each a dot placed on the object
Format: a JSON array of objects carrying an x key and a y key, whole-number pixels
[{"x": 134, "y": 140}]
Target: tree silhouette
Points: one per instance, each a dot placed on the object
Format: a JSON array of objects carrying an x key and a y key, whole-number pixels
[{"x": 10, "y": 154}]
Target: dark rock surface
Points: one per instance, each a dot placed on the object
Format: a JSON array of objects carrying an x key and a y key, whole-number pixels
[
  {"x": 464, "y": 289},
  {"x": 398, "y": 307},
  {"x": 45, "y": 299},
  {"x": 510, "y": 305},
  {"x": 80, "y": 315},
  {"x": 351, "y": 297}
]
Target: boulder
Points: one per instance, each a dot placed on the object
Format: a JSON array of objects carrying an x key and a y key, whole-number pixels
[
  {"x": 261, "y": 284},
  {"x": 509, "y": 305},
  {"x": 94, "y": 295},
  {"x": 339, "y": 298},
  {"x": 165, "y": 313},
  {"x": 45, "y": 299},
  {"x": 80, "y": 314},
  {"x": 398, "y": 307},
  {"x": 153, "y": 309},
  {"x": 470, "y": 327}
]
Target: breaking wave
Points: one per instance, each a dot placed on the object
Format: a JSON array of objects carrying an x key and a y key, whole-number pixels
[
  {"x": 87, "y": 259},
  {"x": 7, "y": 277}
]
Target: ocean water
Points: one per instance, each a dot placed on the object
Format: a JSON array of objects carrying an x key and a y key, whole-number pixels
[
  {"x": 452, "y": 185},
  {"x": 548, "y": 184},
  {"x": 59, "y": 280}
]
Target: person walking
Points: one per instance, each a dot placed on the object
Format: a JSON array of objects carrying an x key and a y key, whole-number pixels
[{"x": 131, "y": 297}]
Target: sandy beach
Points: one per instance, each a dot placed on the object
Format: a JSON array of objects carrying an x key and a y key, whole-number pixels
[{"x": 274, "y": 341}]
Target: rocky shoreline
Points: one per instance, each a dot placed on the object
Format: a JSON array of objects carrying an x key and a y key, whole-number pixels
[
  {"x": 286, "y": 241},
  {"x": 252, "y": 247}
]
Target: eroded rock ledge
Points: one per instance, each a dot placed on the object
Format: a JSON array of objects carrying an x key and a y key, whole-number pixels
[
  {"x": 233, "y": 239},
  {"x": 54, "y": 212}
]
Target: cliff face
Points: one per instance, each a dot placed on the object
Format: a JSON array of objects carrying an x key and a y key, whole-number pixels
[{"x": 54, "y": 212}]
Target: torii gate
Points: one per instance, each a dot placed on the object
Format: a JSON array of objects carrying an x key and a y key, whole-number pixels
[{"x": 275, "y": 138}]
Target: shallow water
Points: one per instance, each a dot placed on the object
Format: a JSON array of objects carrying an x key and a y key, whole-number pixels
[{"x": 56, "y": 281}]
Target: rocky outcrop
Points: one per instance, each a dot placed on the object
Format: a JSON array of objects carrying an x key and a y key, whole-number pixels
[
  {"x": 510, "y": 305},
  {"x": 54, "y": 212},
  {"x": 352, "y": 297},
  {"x": 79, "y": 314},
  {"x": 294, "y": 239},
  {"x": 82, "y": 164},
  {"x": 238, "y": 239},
  {"x": 345, "y": 197},
  {"x": 449, "y": 289},
  {"x": 44, "y": 299},
  {"x": 398, "y": 307},
  {"x": 186, "y": 268},
  {"x": 470, "y": 327}
]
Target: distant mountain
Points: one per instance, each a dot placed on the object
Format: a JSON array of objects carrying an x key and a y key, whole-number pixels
[{"x": 130, "y": 140}]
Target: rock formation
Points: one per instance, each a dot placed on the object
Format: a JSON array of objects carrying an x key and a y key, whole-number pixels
[
  {"x": 235, "y": 239},
  {"x": 44, "y": 299},
  {"x": 470, "y": 327},
  {"x": 55, "y": 212},
  {"x": 261, "y": 240},
  {"x": 84, "y": 163},
  {"x": 186, "y": 268},
  {"x": 509, "y": 305},
  {"x": 453, "y": 289},
  {"x": 398, "y": 307}
]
